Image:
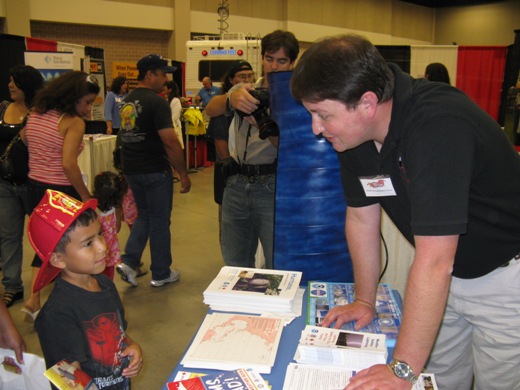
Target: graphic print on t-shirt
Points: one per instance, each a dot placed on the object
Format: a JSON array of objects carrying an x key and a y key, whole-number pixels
[{"x": 107, "y": 340}]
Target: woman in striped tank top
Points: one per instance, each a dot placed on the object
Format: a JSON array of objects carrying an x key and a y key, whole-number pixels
[{"x": 54, "y": 137}]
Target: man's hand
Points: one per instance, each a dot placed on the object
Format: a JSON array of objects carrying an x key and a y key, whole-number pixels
[
  {"x": 378, "y": 377},
  {"x": 185, "y": 183},
  {"x": 242, "y": 100},
  {"x": 358, "y": 311}
]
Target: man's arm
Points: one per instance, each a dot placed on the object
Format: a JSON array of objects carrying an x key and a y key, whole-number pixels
[
  {"x": 222, "y": 149},
  {"x": 239, "y": 99},
  {"x": 216, "y": 106},
  {"x": 362, "y": 230},
  {"x": 426, "y": 295},
  {"x": 175, "y": 155}
]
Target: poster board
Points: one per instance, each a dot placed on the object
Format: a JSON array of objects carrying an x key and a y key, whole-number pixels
[{"x": 50, "y": 64}]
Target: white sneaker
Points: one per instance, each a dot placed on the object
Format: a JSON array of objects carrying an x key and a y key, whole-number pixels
[
  {"x": 127, "y": 273},
  {"x": 174, "y": 276}
]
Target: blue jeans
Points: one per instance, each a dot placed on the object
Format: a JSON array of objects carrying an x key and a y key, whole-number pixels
[
  {"x": 153, "y": 193},
  {"x": 247, "y": 216},
  {"x": 13, "y": 208}
]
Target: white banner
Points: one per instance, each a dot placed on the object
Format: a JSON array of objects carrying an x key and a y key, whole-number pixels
[{"x": 50, "y": 64}]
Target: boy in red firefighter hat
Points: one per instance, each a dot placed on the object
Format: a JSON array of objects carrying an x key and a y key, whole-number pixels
[{"x": 83, "y": 320}]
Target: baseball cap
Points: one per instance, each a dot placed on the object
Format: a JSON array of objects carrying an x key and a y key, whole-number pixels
[
  {"x": 47, "y": 224},
  {"x": 152, "y": 62},
  {"x": 237, "y": 66}
]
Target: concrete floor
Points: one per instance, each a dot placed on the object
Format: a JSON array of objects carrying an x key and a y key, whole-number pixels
[{"x": 162, "y": 320}]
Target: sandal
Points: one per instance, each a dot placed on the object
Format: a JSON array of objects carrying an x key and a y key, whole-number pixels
[
  {"x": 30, "y": 315},
  {"x": 10, "y": 297}
]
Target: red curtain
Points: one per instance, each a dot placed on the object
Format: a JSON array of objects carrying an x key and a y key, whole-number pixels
[
  {"x": 480, "y": 73},
  {"x": 37, "y": 44}
]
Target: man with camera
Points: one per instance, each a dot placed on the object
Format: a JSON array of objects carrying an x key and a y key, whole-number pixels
[{"x": 249, "y": 196}]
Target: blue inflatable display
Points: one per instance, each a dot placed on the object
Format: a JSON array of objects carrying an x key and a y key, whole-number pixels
[{"x": 309, "y": 231}]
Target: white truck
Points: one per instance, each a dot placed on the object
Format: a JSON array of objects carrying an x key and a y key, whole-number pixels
[{"x": 212, "y": 56}]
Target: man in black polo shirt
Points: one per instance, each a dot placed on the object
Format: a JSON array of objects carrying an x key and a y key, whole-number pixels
[{"x": 448, "y": 177}]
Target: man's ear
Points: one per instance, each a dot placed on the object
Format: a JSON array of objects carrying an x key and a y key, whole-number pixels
[
  {"x": 369, "y": 103},
  {"x": 57, "y": 260}
]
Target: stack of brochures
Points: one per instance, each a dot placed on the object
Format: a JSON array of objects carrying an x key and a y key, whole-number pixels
[
  {"x": 351, "y": 350},
  {"x": 323, "y": 296},
  {"x": 228, "y": 341},
  {"x": 251, "y": 290}
]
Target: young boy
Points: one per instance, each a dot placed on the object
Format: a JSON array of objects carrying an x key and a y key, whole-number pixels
[{"x": 83, "y": 319}]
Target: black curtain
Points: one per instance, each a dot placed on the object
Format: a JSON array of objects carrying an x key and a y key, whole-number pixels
[
  {"x": 511, "y": 75},
  {"x": 95, "y": 52},
  {"x": 177, "y": 75},
  {"x": 399, "y": 55},
  {"x": 12, "y": 48}
]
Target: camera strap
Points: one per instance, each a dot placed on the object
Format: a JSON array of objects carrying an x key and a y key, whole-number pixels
[{"x": 247, "y": 142}]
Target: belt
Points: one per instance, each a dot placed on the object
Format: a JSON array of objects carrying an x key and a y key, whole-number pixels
[{"x": 257, "y": 170}]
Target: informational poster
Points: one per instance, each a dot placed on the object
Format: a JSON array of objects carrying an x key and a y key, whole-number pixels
[
  {"x": 50, "y": 64},
  {"x": 128, "y": 70}
]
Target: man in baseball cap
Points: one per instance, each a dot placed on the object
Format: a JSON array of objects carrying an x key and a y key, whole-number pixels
[
  {"x": 153, "y": 62},
  {"x": 149, "y": 148}
]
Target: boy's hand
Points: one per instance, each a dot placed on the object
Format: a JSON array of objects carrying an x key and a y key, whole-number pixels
[{"x": 133, "y": 351}]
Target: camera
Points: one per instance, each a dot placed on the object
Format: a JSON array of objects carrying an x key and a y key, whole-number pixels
[{"x": 267, "y": 127}]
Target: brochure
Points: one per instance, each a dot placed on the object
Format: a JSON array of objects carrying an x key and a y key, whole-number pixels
[
  {"x": 351, "y": 350},
  {"x": 65, "y": 376},
  {"x": 244, "y": 379},
  {"x": 323, "y": 296},
  {"x": 232, "y": 341},
  {"x": 314, "y": 377}
]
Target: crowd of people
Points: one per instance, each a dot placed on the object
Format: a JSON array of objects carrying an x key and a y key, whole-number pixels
[{"x": 453, "y": 192}]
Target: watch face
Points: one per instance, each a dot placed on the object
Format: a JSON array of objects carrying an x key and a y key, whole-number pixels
[{"x": 402, "y": 370}]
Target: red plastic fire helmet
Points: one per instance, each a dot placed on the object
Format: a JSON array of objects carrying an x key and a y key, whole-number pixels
[{"x": 47, "y": 224}]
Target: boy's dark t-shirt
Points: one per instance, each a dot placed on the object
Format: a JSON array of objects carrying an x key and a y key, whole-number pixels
[{"x": 89, "y": 327}]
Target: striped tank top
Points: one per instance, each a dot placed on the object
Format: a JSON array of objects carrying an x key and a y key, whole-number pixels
[{"x": 45, "y": 144}]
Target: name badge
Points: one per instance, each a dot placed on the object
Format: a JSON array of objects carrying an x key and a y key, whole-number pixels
[{"x": 377, "y": 185}]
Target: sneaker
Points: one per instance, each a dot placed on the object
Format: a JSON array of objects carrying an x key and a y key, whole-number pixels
[
  {"x": 174, "y": 276},
  {"x": 10, "y": 297},
  {"x": 127, "y": 273}
]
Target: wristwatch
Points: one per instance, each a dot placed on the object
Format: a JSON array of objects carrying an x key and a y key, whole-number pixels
[{"x": 402, "y": 370}]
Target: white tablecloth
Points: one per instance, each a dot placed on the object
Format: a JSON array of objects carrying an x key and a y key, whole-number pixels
[{"x": 97, "y": 156}]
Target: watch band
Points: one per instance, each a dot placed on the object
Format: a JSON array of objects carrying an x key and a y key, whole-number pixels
[{"x": 403, "y": 370}]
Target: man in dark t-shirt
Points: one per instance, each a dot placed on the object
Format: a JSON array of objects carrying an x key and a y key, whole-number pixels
[{"x": 149, "y": 149}]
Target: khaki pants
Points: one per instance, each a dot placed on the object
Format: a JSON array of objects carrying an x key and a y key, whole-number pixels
[{"x": 480, "y": 333}]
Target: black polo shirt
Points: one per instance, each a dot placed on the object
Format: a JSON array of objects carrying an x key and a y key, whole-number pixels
[{"x": 453, "y": 171}]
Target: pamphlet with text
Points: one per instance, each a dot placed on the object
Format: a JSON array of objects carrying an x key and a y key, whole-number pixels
[
  {"x": 323, "y": 296},
  {"x": 243, "y": 379},
  {"x": 336, "y": 347}
]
